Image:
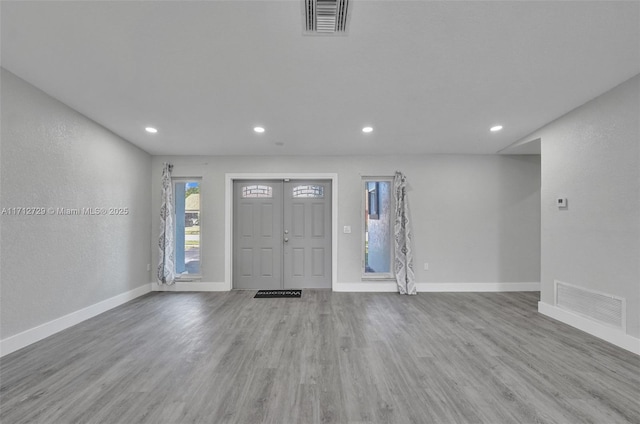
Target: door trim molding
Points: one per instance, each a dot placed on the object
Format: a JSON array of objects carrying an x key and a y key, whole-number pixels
[{"x": 228, "y": 201}]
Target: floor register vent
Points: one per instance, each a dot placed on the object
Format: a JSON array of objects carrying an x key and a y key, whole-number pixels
[
  {"x": 604, "y": 308},
  {"x": 326, "y": 16}
]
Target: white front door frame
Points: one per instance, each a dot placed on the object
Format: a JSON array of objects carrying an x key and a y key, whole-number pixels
[{"x": 228, "y": 200}]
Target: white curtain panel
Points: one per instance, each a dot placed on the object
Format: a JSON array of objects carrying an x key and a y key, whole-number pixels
[
  {"x": 166, "y": 267},
  {"x": 403, "y": 263}
]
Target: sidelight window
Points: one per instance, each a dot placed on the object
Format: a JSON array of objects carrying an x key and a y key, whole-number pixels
[
  {"x": 378, "y": 241},
  {"x": 188, "y": 225}
]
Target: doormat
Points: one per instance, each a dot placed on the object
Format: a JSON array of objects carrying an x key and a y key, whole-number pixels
[{"x": 265, "y": 294}]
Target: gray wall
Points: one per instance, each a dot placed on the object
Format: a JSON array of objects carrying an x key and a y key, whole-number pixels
[
  {"x": 591, "y": 156},
  {"x": 476, "y": 218},
  {"x": 52, "y": 156}
]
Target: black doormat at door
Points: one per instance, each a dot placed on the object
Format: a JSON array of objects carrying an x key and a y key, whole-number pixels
[{"x": 265, "y": 294}]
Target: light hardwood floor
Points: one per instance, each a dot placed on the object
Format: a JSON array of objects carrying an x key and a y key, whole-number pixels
[{"x": 326, "y": 358}]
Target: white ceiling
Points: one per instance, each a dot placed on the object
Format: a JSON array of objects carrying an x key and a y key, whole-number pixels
[{"x": 429, "y": 76}]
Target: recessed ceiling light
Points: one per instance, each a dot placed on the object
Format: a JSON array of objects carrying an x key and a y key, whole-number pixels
[
  {"x": 495, "y": 128},
  {"x": 151, "y": 130},
  {"x": 258, "y": 129},
  {"x": 367, "y": 129}
]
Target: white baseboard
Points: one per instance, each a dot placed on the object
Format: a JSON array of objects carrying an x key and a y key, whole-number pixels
[
  {"x": 185, "y": 286},
  {"x": 390, "y": 286},
  {"x": 32, "y": 335},
  {"x": 478, "y": 287},
  {"x": 366, "y": 286},
  {"x": 609, "y": 334},
  {"x": 383, "y": 286}
]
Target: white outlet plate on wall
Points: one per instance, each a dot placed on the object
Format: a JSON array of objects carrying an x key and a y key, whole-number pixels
[{"x": 562, "y": 202}]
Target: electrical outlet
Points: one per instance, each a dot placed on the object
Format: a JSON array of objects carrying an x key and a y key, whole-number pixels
[
  {"x": 347, "y": 229},
  {"x": 426, "y": 266},
  {"x": 148, "y": 267},
  {"x": 562, "y": 202}
]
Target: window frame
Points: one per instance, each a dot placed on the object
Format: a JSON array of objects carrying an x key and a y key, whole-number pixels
[
  {"x": 174, "y": 180},
  {"x": 363, "y": 188}
]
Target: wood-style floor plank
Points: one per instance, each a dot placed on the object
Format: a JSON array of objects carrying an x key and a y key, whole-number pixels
[{"x": 325, "y": 358}]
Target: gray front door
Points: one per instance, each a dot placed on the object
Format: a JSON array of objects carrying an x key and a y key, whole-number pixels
[
  {"x": 307, "y": 228},
  {"x": 282, "y": 234},
  {"x": 257, "y": 229}
]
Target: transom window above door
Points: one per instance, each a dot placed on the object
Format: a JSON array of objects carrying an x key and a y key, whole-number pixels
[
  {"x": 257, "y": 191},
  {"x": 313, "y": 191}
]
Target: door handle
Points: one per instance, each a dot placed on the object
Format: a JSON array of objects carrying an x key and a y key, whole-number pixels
[{"x": 286, "y": 239}]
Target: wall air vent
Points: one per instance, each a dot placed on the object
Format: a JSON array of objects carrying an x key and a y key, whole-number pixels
[
  {"x": 601, "y": 307},
  {"x": 326, "y": 16}
]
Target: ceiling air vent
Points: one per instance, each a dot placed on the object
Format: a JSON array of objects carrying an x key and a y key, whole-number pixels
[{"x": 326, "y": 16}]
